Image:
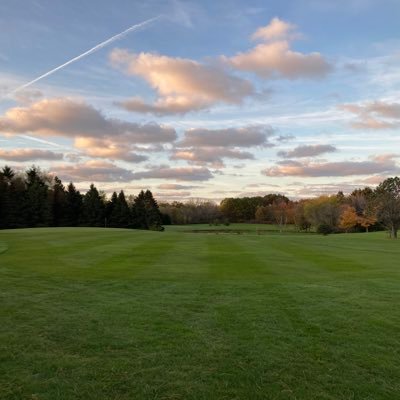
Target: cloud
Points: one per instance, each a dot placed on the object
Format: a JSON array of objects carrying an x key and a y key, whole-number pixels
[
  {"x": 374, "y": 115},
  {"x": 93, "y": 133},
  {"x": 29, "y": 155},
  {"x": 175, "y": 186},
  {"x": 374, "y": 180},
  {"x": 69, "y": 118},
  {"x": 180, "y": 174},
  {"x": 165, "y": 106},
  {"x": 340, "y": 168},
  {"x": 383, "y": 158},
  {"x": 247, "y": 136},
  {"x": 276, "y": 29},
  {"x": 284, "y": 138},
  {"x": 27, "y": 96},
  {"x": 307, "y": 151},
  {"x": 172, "y": 195},
  {"x": 182, "y": 85},
  {"x": 311, "y": 190},
  {"x": 210, "y": 155},
  {"x": 93, "y": 171},
  {"x": 103, "y": 148},
  {"x": 202, "y": 146},
  {"x": 273, "y": 58}
]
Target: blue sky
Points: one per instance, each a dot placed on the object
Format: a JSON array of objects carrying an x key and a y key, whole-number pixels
[{"x": 214, "y": 99}]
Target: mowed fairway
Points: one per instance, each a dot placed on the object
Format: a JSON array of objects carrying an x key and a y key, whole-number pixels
[{"x": 118, "y": 314}]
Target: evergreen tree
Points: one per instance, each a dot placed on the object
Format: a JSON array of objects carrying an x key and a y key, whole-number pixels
[
  {"x": 110, "y": 207},
  {"x": 34, "y": 199},
  {"x": 36, "y": 202},
  {"x": 152, "y": 212},
  {"x": 122, "y": 213},
  {"x": 73, "y": 206},
  {"x": 4, "y": 200},
  {"x": 93, "y": 208},
  {"x": 139, "y": 212},
  {"x": 58, "y": 203},
  {"x": 16, "y": 206}
]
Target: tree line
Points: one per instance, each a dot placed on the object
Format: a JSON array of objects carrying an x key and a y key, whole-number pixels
[
  {"x": 36, "y": 199},
  {"x": 362, "y": 210}
]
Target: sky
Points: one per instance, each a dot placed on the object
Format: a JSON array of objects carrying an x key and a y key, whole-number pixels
[{"x": 202, "y": 99}]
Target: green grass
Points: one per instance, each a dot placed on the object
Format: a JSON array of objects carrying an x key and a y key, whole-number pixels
[
  {"x": 245, "y": 228},
  {"x": 119, "y": 314}
]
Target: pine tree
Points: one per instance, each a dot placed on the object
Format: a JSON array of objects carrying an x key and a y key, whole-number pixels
[
  {"x": 110, "y": 211},
  {"x": 122, "y": 211},
  {"x": 16, "y": 210},
  {"x": 36, "y": 202},
  {"x": 58, "y": 203},
  {"x": 6, "y": 175},
  {"x": 93, "y": 208},
  {"x": 139, "y": 212},
  {"x": 73, "y": 206},
  {"x": 153, "y": 214}
]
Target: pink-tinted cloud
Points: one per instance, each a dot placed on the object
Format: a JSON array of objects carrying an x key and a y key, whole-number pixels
[
  {"x": 93, "y": 171},
  {"x": 202, "y": 146},
  {"x": 175, "y": 186},
  {"x": 182, "y": 85},
  {"x": 94, "y": 134},
  {"x": 247, "y": 136},
  {"x": 179, "y": 174},
  {"x": 274, "y": 58},
  {"x": 173, "y": 195},
  {"x": 105, "y": 148},
  {"x": 374, "y": 115},
  {"x": 307, "y": 151},
  {"x": 69, "y": 118},
  {"x": 276, "y": 29},
  {"x": 210, "y": 155},
  {"x": 29, "y": 155},
  {"x": 339, "y": 168}
]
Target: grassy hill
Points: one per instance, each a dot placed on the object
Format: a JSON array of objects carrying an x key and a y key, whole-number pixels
[{"x": 118, "y": 314}]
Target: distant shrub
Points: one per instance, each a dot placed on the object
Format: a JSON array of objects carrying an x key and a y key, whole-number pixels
[
  {"x": 325, "y": 229},
  {"x": 156, "y": 228}
]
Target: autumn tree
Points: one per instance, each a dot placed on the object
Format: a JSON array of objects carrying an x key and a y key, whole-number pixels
[
  {"x": 299, "y": 216},
  {"x": 323, "y": 211},
  {"x": 348, "y": 218}
]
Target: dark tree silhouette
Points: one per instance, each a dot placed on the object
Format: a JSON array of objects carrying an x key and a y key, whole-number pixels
[{"x": 73, "y": 206}]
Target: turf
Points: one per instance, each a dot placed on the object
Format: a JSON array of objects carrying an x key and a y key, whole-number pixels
[{"x": 119, "y": 314}]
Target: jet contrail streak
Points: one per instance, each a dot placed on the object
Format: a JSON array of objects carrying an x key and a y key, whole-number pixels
[{"x": 86, "y": 53}]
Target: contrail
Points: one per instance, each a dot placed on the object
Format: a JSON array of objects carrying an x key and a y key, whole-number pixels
[{"x": 86, "y": 53}]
